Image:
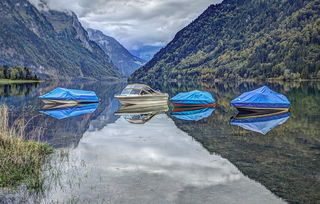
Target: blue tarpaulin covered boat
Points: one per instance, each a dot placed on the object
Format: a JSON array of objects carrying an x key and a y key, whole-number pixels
[
  {"x": 66, "y": 112},
  {"x": 63, "y": 95},
  {"x": 262, "y": 98},
  {"x": 192, "y": 113},
  {"x": 193, "y": 98},
  {"x": 262, "y": 124}
]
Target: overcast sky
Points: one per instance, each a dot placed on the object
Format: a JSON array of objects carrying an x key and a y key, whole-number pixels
[{"x": 135, "y": 22}]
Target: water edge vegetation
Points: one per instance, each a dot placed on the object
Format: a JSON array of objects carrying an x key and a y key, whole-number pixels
[{"x": 20, "y": 160}]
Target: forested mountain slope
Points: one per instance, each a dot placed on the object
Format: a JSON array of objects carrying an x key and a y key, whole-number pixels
[
  {"x": 51, "y": 43},
  {"x": 243, "y": 39}
]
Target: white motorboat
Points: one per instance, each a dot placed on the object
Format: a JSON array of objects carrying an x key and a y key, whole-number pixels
[{"x": 141, "y": 94}]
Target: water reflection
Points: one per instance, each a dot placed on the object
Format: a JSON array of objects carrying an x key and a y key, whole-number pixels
[
  {"x": 285, "y": 161},
  {"x": 66, "y": 132},
  {"x": 153, "y": 163},
  {"x": 192, "y": 113},
  {"x": 61, "y": 111},
  {"x": 260, "y": 122},
  {"x": 17, "y": 89},
  {"x": 140, "y": 114}
]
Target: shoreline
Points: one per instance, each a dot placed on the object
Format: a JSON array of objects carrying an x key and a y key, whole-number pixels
[
  {"x": 199, "y": 81},
  {"x": 9, "y": 81}
]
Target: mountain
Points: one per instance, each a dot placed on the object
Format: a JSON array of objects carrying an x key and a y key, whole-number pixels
[
  {"x": 51, "y": 43},
  {"x": 120, "y": 56},
  {"x": 146, "y": 52},
  {"x": 240, "y": 39}
]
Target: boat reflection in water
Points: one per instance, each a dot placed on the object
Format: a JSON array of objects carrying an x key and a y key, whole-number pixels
[
  {"x": 260, "y": 122},
  {"x": 61, "y": 111},
  {"x": 140, "y": 114},
  {"x": 192, "y": 113}
]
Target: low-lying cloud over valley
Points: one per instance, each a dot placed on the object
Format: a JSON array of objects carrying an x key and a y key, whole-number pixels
[{"x": 135, "y": 22}]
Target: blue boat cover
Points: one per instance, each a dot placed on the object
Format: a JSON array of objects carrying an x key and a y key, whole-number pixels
[
  {"x": 194, "y": 115},
  {"x": 71, "y": 94},
  {"x": 262, "y": 97},
  {"x": 262, "y": 124},
  {"x": 61, "y": 113},
  {"x": 193, "y": 97}
]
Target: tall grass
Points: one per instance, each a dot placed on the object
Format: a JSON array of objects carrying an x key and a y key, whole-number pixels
[{"x": 20, "y": 160}]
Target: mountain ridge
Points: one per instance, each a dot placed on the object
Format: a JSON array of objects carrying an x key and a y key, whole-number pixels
[
  {"x": 126, "y": 62},
  {"x": 53, "y": 44},
  {"x": 242, "y": 40}
]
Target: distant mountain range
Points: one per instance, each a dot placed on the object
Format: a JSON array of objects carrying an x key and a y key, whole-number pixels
[
  {"x": 146, "y": 52},
  {"x": 120, "y": 56},
  {"x": 243, "y": 39},
  {"x": 51, "y": 43}
]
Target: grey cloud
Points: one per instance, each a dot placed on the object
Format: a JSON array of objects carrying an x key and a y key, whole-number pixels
[{"x": 135, "y": 22}]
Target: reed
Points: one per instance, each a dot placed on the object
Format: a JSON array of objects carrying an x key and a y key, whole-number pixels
[{"x": 20, "y": 160}]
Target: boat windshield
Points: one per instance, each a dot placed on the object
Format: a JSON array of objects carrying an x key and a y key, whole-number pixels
[
  {"x": 136, "y": 86},
  {"x": 126, "y": 91},
  {"x": 135, "y": 91},
  {"x": 139, "y": 86},
  {"x": 130, "y": 91},
  {"x": 138, "y": 119}
]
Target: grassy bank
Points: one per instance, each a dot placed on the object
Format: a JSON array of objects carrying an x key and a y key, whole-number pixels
[
  {"x": 9, "y": 81},
  {"x": 20, "y": 160}
]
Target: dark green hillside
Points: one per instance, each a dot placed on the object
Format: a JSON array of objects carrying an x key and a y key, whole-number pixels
[
  {"x": 50, "y": 43},
  {"x": 243, "y": 39}
]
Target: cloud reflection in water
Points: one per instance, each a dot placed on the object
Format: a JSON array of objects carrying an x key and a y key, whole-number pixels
[{"x": 154, "y": 163}]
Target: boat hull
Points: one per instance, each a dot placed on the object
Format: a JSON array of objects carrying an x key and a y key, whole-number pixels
[
  {"x": 260, "y": 109},
  {"x": 141, "y": 109},
  {"x": 251, "y": 115},
  {"x": 143, "y": 100},
  {"x": 211, "y": 105}
]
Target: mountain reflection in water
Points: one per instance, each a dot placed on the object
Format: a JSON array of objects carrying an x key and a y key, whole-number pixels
[
  {"x": 285, "y": 160},
  {"x": 153, "y": 163}
]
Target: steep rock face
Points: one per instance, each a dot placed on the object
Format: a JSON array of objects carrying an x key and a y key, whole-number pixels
[
  {"x": 51, "y": 43},
  {"x": 243, "y": 39},
  {"x": 120, "y": 56},
  {"x": 68, "y": 25}
]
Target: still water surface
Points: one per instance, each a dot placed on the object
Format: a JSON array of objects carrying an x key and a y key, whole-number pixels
[{"x": 169, "y": 159}]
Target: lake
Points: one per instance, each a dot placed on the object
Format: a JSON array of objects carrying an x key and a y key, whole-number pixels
[{"x": 157, "y": 156}]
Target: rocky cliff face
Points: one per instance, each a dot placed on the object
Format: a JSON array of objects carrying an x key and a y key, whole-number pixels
[
  {"x": 120, "y": 56},
  {"x": 51, "y": 43}
]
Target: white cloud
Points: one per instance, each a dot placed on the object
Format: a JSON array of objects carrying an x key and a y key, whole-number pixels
[{"x": 135, "y": 22}]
